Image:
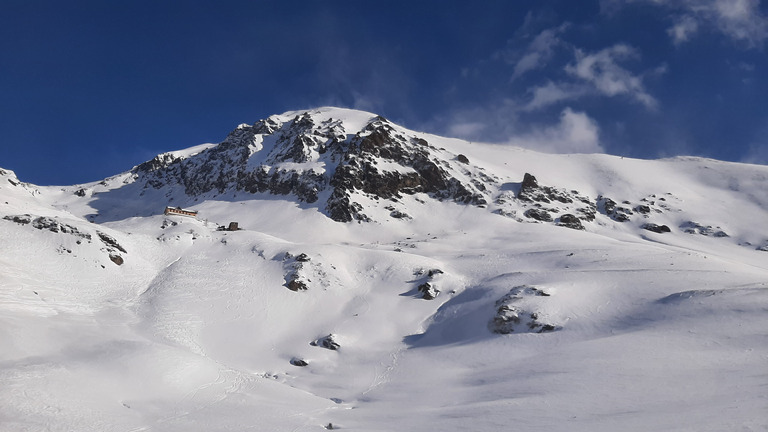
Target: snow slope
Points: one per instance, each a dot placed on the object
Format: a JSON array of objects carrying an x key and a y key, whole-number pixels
[{"x": 114, "y": 317}]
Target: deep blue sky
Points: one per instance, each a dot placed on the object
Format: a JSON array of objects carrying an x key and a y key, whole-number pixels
[{"x": 89, "y": 89}]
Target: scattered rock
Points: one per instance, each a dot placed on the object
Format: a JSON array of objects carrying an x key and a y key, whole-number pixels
[
  {"x": 612, "y": 210},
  {"x": 428, "y": 291},
  {"x": 656, "y": 228},
  {"x": 691, "y": 227},
  {"x": 532, "y": 192},
  {"x": 295, "y": 280},
  {"x": 299, "y": 362},
  {"x": 643, "y": 209},
  {"x": 167, "y": 223},
  {"x": 570, "y": 221},
  {"x": 110, "y": 241},
  {"x": 20, "y": 219},
  {"x": 433, "y": 272},
  {"x": 513, "y": 314},
  {"x": 47, "y": 223},
  {"x": 296, "y": 284},
  {"x": 538, "y": 214},
  {"x": 397, "y": 214},
  {"x": 327, "y": 342}
]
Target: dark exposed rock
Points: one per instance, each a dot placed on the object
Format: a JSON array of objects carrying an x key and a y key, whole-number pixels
[
  {"x": 327, "y": 342},
  {"x": 295, "y": 271},
  {"x": 117, "y": 259},
  {"x": 296, "y": 285},
  {"x": 433, "y": 272},
  {"x": 656, "y": 228},
  {"x": 299, "y": 362},
  {"x": 19, "y": 219},
  {"x": 538, "y": 214},
  {"x": 397, "y": 214},
  {"x": 531, "y": 191},
  {"x": 48, "y": 223},
  {"x": 513, "y": 316},
  {"x": 528, "y": 187},
  {"x": 167, "y": 222},
  {"x": 463, "y": 159},
  {"x": 570, "y": 221},
  {"x": 80, "y": 192},
  {"x": 428, "y": 291},
  {"x": 643, "y": 209},
  {"x": 110, "y": 241},
  {"x": 532, "y": 195},
  {"x": 611, "y": 209},
  {"x": 691, "y": 227}
]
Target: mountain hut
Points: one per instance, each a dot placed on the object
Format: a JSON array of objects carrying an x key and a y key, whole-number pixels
[{"x": 180, "y": 212}]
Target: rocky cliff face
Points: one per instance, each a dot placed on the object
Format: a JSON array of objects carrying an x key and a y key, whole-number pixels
[
  {"x": 319, "y": 159},
  {"x": 357, "y": 166}
]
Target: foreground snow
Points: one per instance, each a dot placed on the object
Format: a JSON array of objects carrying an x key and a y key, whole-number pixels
[{"x": 197, "y": 329}]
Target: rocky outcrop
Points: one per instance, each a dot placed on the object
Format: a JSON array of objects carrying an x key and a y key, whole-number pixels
[
  {"x": 691, "y": 227},
  {"x": 110, "y": 246},
  {"x": 427, "y": 284},
  {"x": 656, "y": 228},
  {"x": 47, "y": 223},
  {"x": 327, "y": 342},
  {"x": 543, "y": 203},
  {"x": 306, "y": 156},
  {"x": 611, "y": 209},
  {"x": 299, "y": 362},
  {"x": 570, "y": 221},
  {"x": 295, "y": 278},
  {"x": 515, "y": 312},
  {"x": 110, "y": 242}
]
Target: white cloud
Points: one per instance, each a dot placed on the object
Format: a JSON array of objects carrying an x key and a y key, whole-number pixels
[
  {"x": 576, "y": 132},
  {"x": 683, "y": 29},
  {"x": 551, "y": 93},
  {"x": 739, "y": 20},
  {"x": 602, "y": 71},
  {"x": 539, "y": 51}
]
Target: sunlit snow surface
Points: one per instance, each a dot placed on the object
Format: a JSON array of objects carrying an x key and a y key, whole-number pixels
[{"x": 196, "y": 330}]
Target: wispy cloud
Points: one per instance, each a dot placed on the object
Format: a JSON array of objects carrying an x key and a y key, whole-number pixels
[
  {"x": 595, "y": 74},
  {"x": 602, "y": 70},
  {"x": 552, "y": 93},
  {"x": 539, "y": 52},
  {"x": 683, "y": 29},
  {"x": 524, "y": 116},
  {"x": 740, "y": 20}
]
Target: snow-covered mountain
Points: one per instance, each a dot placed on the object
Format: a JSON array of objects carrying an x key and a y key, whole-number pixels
[{"x": 384, "y": 279}]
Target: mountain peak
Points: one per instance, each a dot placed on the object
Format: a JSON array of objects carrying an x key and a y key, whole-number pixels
[{"x": 330, "y": 156}]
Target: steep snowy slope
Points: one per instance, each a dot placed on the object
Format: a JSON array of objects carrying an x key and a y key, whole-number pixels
[{"x": 384, "y": 279}]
